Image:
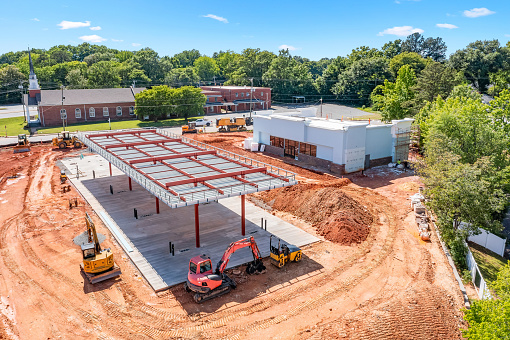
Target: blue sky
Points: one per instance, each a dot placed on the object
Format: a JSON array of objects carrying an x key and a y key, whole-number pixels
[{"x": 312, "y": 29}]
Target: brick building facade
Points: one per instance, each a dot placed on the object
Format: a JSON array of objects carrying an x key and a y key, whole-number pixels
[
  {"x": 86, "y": 105},
  {"x": 236, "y": 98}
]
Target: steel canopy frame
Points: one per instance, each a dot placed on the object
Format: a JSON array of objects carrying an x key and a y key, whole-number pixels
[{"x": 135, "y": 151}]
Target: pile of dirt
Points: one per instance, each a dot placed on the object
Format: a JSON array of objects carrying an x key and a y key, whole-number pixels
[{"x": 337, "y": 216}]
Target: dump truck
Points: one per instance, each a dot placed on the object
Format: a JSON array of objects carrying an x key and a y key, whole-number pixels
[
  {"x": 65, "y": 140},
  {"x": 231, "y": 124},
  {"x": 23, "y": 144},
  {"x": 98, "y": 264}
]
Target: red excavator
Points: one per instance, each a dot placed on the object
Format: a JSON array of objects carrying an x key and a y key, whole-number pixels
[{"x": 208, "y": 285}]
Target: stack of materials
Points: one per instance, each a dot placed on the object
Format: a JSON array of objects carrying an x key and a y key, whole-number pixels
[{"x": 422, "y": 222}]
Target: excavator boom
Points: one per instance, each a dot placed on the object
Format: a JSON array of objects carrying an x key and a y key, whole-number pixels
[
  {"x": 91, "y": 231},
  {"x": 235, "y": 246}
]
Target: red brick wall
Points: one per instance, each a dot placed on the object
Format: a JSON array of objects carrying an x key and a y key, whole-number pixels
[
  {"x": 50, "y": 115},
  {"x": 229, "y": 95}
]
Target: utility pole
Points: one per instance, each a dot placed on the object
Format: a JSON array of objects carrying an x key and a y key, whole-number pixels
[
  {"x": 20, "y": 87},
  {"x": 321, "y": 107},
  {"x": 251, "y": 94},
  {"x": 214, "y": 79},
  {"x": 62, "y": 108},
  {"x": 134, "y": 83}
]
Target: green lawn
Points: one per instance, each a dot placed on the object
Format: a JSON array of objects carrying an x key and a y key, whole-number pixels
[
  {"x": 489, "y": 262},
  {"x": 14, "y": 126},
  {"x": 121, "y": 124}
]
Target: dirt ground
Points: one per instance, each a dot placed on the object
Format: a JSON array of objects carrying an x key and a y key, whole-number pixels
[{"x": 390, "y": 285}]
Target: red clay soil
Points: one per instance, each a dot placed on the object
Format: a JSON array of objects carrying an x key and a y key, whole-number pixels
[{"x": 337, "y": 216}]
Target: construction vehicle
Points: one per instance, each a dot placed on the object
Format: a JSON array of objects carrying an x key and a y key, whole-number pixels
[
  {"x": 207, "y": 285},
  {"x": 191, "y": 127},
  {"x": 63, "y": 177},
  {"x": 23, "y": 144},
  {"x": 231, "y": 124},
  {"x": 98, "y": 264},
  {"x": 282, "y": 253},
  {"x": 64, "y": 140}
]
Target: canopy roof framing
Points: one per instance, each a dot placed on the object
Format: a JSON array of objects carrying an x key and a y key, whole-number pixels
[{"x": 226, "y": 174}]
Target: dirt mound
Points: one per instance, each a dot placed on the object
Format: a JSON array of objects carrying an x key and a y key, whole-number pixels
[{"x": 337, "y": 216}]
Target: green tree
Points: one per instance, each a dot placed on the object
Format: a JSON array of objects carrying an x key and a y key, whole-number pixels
[
  {"x": 436, "y": 79},
  {"x": 227, "y": 62},
  {"x": 10, "y": 79},
  {"x": 434, "y": 48},
  {"x": 155, "y": 103},
  {"x": 364, "y": 52},
  {"x": 288, "y": 77},
  {"x": 500, "y": 81},
  {"x": 76, "y": 80},
  {"x": 185, "y": 58},
  {"x": 182, "y": 76},
  {"x": 479, "y": 59},
  {"x": 95, "y": 57},
  {"x": 252, "y": 63},
  {"x": 395, "y": 97},
  {"x": 413, "y": 43},
  {"x": 104, "y": 74},
  {"x": 412, "y": 59},
  {"x": 149, "y": 63},
  {"x": 392, "y": 48},
  {"x": 489, "y": 319},
  {"x": 189, "y": 101},
  {"x": 357, "y": 82},
  {"x": 206, "y": 68},
  {"x": 325, "y": 83}
]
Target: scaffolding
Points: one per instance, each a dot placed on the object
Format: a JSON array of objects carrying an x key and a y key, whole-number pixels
[{"x": 402, "y": 144}]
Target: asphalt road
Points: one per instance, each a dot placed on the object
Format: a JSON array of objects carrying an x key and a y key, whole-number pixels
[{"x": 11, "y": 110}]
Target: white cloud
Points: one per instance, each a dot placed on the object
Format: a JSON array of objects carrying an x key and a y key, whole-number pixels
[
  {"x": 215, "y": 17},
  {"x": 477, "y": 12},
  {"x": 136, "y": 44},
  {"x": 65, "y": 25},
  {"x": 449, "y": 26},
  {"x": 92, "y": 38},
  {"x": 507, "y": 35},
  {"x": 117, "y": 40},
  {"x": 287, "y": 47},
  {"x": 35, "y": 19},
  {"x": 96, "y": 28},
  {"x": 402, "y": 31}
]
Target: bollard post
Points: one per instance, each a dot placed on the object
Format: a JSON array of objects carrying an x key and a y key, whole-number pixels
[
  {"x": 93, "y": 174},
  {"x": 265, "y": 225},
  {"x": 173, "y": 250},
  {"x": 111, "y": 189},
  {"x": 135, "y": 213},
  {"x": 261, "y": 223},
  {"x": 170, "y": 246},
  {"x": 77, "y": 172}
]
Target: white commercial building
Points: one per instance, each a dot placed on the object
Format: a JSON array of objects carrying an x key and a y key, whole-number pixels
[{"x": 340, "y": 146}]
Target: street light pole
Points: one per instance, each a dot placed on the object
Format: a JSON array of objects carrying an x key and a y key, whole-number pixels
[
  {"x": 321, "y": 107},
  {"x": 20, "y": 87},
  {"x": 62, "y": 108},
  {"x": 251, "y": 95}
]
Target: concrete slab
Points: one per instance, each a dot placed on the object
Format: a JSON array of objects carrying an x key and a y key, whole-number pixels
[{"x": 146, "y": 239}]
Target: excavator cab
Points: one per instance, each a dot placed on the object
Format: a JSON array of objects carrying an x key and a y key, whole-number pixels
[{"x": 88, "y": 250}]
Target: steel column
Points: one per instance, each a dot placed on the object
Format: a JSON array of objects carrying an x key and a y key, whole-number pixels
[
  {"x": 157, "y": 205},
  {"x": 243, "y": 216},
  {"x": 110, "y": 164},
  {"x": 197, "y": 227},
  {"x": 130, "y": 186}
]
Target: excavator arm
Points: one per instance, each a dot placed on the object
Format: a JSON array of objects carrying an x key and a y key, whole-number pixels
[
  {"x": 235, "y": 246},
  {"x": 91, "y": 231}
]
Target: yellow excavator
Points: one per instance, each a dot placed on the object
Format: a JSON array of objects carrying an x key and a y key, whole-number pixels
[
  {"x": 65, "y": 140},
  {"x": 23, "y": 144},
  {"x": 231, "y": 124},
  {"x": 98, "y": 264}
]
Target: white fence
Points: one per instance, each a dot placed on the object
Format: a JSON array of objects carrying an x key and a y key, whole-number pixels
[
  {"x": 489, "y": 241},
  {"x": 477, "y": 278}
]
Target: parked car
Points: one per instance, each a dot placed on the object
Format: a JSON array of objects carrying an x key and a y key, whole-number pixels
[{"x": 202, "y": 122}]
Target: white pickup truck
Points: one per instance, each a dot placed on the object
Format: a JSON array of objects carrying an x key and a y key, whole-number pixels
[{"x": 202, "y": 122}]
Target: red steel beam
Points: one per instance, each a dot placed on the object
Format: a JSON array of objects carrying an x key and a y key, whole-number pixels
[
  {"x": 210, "y": 178},
  {"x": 178, "y": 155},
  {"x": 243, "y": 216},
  {"x": 223, "y": 171},
  {"x": 120, "y": 133},
  {"x": 197, "y": 227},
  {"x": 127, "y": 145}
]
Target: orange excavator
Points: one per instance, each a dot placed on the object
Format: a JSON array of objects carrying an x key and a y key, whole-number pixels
[{"x": 207, "y": 285}]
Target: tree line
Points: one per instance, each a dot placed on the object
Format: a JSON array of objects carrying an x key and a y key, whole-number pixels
[{"x": 350, "y": 79}]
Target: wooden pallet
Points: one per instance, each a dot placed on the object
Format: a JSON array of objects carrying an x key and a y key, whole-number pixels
[{"x": 95, "y": 278}]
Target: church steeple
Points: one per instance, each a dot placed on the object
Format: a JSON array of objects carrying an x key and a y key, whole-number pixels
[{"x": 32, "y": 78}]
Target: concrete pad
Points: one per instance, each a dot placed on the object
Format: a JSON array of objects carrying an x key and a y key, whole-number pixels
[{"x": 146, "y": 239}]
